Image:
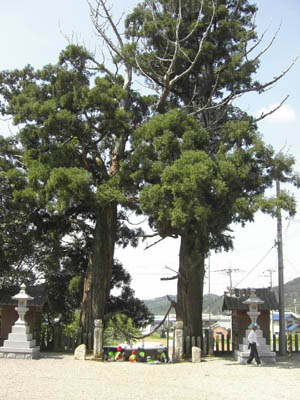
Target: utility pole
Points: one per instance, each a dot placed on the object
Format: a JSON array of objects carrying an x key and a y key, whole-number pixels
[
  {"x": 270, "y": 275},
  {"x": 229, "y": 272},
  {"x": 282, "y": 345}
]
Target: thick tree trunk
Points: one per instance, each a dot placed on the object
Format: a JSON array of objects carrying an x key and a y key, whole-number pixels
[
  {"x": 190, "y": 285},
  {"x": 98, "y": 275}
]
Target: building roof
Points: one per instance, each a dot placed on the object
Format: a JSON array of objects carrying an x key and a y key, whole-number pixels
[
  {"x": 234, "y": 300},
  {"x": 287, "y": 315},
  {"x": 38, "y": 292},
  {"x": 292, "y": 327}
]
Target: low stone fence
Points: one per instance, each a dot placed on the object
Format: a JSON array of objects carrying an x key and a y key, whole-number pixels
[
  {"x": 57, "y": 340},
  {"x": 209, "y": 345},
  {"x": 292, "y": 342}
]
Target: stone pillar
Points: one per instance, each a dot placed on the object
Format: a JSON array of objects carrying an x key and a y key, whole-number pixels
[
  {"x": 210, "y": 342},
  {"x": 178, "y": 353},
  {"x": 98, "y": 338},
  {"x": 196, "y": 354}
]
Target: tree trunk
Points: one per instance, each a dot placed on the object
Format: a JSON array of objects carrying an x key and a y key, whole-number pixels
[
  {"x": 98, "y": 275},
  {"x": 190, "y": 285},
  {"x": 86, "y": 317}
]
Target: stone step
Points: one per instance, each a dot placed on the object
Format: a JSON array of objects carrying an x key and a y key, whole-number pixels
[
  {"x": 18, "y": 345},
  {"x": 20, "y": 337},
  {"x": 260, "y": 341},
  {"x": 261, "y": 348},
  {"x": 32, "y": 353},
  {"x": 266, "y": 358}
]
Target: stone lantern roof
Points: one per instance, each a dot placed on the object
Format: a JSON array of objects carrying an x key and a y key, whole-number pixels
[
  {"x": 235, "y": 299},
  {"x": 253, "y": 299},
  {"x": 22, "y": 295}
]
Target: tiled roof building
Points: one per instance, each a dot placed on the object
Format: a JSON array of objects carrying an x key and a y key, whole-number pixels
[
  {"x": 9, "y": 315},
  {"x": 233, "y": 301}
]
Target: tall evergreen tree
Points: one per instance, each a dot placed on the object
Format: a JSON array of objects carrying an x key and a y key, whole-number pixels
[
  {"x": 198, "y": 56},
  {"x": 74, "y": 126}
]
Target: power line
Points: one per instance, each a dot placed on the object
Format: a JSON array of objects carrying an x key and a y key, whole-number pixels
[
  {"x": 255, "y": 266},
  {"x": 229, "y": 271},
  {"x": 269, "y": 275}
]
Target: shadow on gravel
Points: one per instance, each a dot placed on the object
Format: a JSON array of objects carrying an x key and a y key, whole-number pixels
[
  {"x": 281, "y": 362},
  {"x": 55, "y": 356}
]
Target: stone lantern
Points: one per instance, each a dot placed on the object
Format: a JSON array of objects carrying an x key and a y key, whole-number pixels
[
  {"x": 20, "y": 343},
  {"x": 22, "y": 297},
  {"x": 242, "y": 353},
  {"x": 253, "y": 303}
]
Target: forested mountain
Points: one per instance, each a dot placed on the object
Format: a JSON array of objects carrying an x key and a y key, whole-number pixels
[
  {"x": 160, "y": 305},
  {"x": 291, "y": 295},
  {"x": 213, "y": 303}
]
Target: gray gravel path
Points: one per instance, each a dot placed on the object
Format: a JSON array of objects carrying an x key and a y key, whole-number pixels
[{"x": 60, "y": 377}]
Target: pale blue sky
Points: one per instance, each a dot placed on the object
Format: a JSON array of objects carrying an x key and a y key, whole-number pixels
[{"x": 34, "y": 32}]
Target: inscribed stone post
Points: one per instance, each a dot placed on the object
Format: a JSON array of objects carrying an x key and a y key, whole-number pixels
[
  {"x": 211, "y": 343},
  {"x": 80, "y": 352},
  {"x": 178, "y": 341},
  {"x": 98, "y": 338},
  {"x": 196, "y": 354}
]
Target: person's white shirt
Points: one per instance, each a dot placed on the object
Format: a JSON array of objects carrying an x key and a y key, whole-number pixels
[{"x": 252, "y": 337}]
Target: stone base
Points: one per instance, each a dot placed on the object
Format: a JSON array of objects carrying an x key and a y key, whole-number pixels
[
  {"x": 29, "y": 354},
  {"x": 265, "y": 358}
]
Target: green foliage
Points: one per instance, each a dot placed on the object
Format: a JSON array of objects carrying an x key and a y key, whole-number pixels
[
  {"x": 88, "y": 144},
  {"x": 119, "y": 330},
  {"x": 195, "y": 182},
  {"x": 73, "y": 128},
  {"x": 73, "y": 327},
  {"x": 172, "y": 32}
]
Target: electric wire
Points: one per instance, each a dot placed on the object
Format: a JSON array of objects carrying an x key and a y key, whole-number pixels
[{"x": 255, "y": 266}]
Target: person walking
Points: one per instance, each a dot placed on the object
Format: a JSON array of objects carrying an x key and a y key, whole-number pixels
[{"x": 253, "y": 343}]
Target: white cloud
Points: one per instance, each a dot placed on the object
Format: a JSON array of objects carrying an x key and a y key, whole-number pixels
[{"x": 284, "y": 114}]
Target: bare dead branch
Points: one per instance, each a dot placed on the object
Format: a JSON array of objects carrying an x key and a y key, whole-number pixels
[
  {"x": 144, "y": 73},
  {"x": 171, "y": 278},
  {"x": 260, "y": 88},
  {"x": 264, "y": 115},
  {"x": 174, "y": 303},
  {"x": 268, "y": 45},
  {"x": 127, "y": 334},
  {"x": 173, "y": 270},
  {"x": 196, "y": 25},
  {"x": 153, "y": 244},
  {"x": 95, "y": 16},
  {"x": 168, "y": 82},
  {"x": 257, "y": 43}
]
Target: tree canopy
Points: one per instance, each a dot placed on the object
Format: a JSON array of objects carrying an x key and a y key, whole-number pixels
[
  {"x": 73, "y": 131},
  {"x": 92, "y": 147}
]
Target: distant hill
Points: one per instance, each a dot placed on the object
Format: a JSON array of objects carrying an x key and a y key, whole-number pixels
[
  {"x": 213, "y": 303},
  {"x": 291, "y": 295},
  {"x": 160, "y": 305}
]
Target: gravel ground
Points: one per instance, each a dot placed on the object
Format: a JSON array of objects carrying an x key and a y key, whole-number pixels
[{"x": 61, "y": 377}]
